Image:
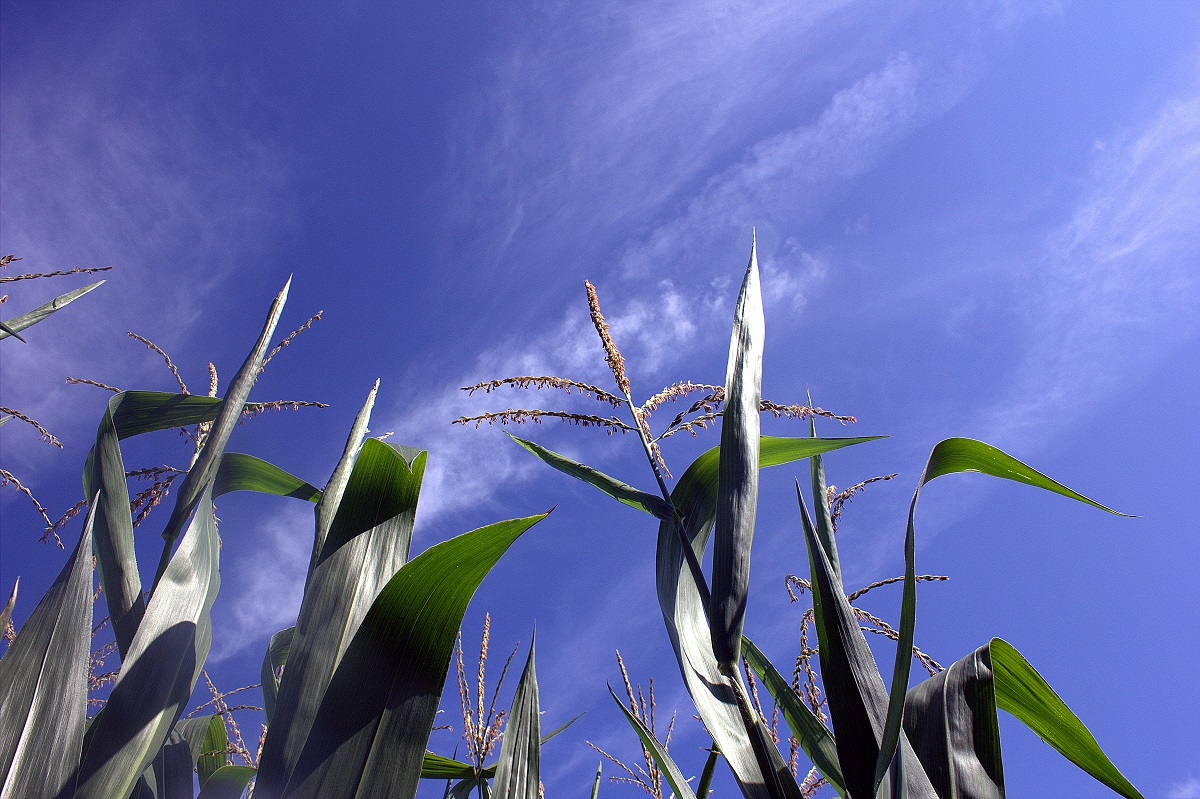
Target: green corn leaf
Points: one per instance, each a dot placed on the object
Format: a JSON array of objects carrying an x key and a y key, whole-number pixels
[
  {"x": 368, "y": 541},
  {"x": 703, "y": 787},
  {"x": 196, "y": 481},
  {"x": 853, "y": 685},
  {"x": 1023, "y": 692},
  {"x": 239, "y": 472},
  {"x": 192, "y": 731},
  {"x": 161, "y": 668},
  {"x": 11, "y": 327},
  {"x": 950, "y": 719},
  {"x": 8, "y": 331},
  {"x": 275, "y": 656},
  {"x": 371, "y": 731},
  {"x": 464, "y": 789},
  {"x": 439, "y": 767},
  {"x": 518, "y": 771},
  {"x": 227, "y": 782},
  {"x": 681, "y": 600},
  {"x": 824, "y": 517},
  {"x": 948, "y": 457},
  {"x": 331, "y": 497},
  {"x": 619, "y": 491},
  {"x": 813, "y": 736},
  {"x": 170, "y": 773},
  {"x": 657, "y": 751},
  {"x": 737, "y": 482},
  {"x": 213, "y": 750},
  {"x": 7, "y": 611},
  {"x": 43, "y": 683},
  {"x": 596, "y": 782}
]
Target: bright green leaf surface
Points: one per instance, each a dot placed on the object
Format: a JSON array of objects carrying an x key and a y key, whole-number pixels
[{"x": 518, "y": 770}]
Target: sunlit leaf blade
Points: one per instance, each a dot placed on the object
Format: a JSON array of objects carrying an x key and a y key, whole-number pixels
[
  {"x": 192, "y": 731},
  {"x": 202, "y": 473},
  {"x": 813, "y": 736},
  {"x": 619, "y": 491},
  {"x": 227, "y": 782},
  {"x": 947, "y": 457},
  {"x": 737, "y": 482},
  {"x": 518, "y": 770},
  {"x": 8, "y": 331},
  {"x": 950, "y": 719},
  {"x": 489, "y": 770},
  {"x": 161, "y": 668},
  {"x": 369, "y": 738},
  {"x": 7, "y": 611},
  {"x": 275, "y": 656},
  {"x": 670, "y": 770},
  {"x": 18, "y": 323},
  {"x": 331, "y": 497},
  {"x": 823, "y": 520},
  {"x": 853, "y": 685},
  {"x": 682, "y": 605},
  {"x": 43, "y": 683},
  {"x": 1023, "y": 692},
  {"x": 367, "y": 543},
  {"x": 213, "y": 750},
  {"x": 240, "y": 472},
  {"x": 596, "y": 782},
  {"x": 439, "y": 767}
]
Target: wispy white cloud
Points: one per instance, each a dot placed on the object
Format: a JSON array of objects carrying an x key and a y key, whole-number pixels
[
  {"x": 1188, "y": 789},
  {"x": 1118, "y": 289}
]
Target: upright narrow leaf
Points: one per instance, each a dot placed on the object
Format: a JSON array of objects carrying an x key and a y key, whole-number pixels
[
  {"x": 204, "y": 470},
  {"x": 214, "y": 749},
  {"x": 518, "y": 771},
  {"x": 275, "y": 656},
  {"x": 684, "y": 613},
  {"x": 737, "y": 485},
  {"x": 367, "y": 543},
  {"x": 161, "y": 668},
  {"x": 7, "y": 611},
  {"x": 675, "y": 778},
  {"x": 368, "y": 740},
  {"x": 43, "y": 683},
  {"x": 596, "y": 782}
]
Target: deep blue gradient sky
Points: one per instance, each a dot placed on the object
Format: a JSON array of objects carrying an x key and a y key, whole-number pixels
[{"x": 974, "y": 219}]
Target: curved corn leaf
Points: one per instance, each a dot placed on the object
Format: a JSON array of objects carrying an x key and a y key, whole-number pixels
[
  {"x": 439, "y": 767},
  {"x": 950, "y": 719},
  {"x": 947, "y": 457},
  {"x": 170, "y": 773},
  {"x": 813, "y": 736},
  {"x": 213, "y": 749},
  {"x": 11, "y": 327},
  {"x": 161, "y": 668},
  {"x": 43, "y": 683},
  {"x": 675, "y": 778},
  {"x": 275, "y": 656},
  {"x": 192, "y": 731},
  {"x": 7, "y": 611},
  {"x": 240, "y": 472},
  {"x": 204, "y": 470},
  {"x": 703, "y": 787},
  {"x": 682, "y": 605},
  {"x": 331, "y": 497},
  {"x": 619, "y": 491},
  {"x": 464, "y": 789},
  {"x": 1024, "y": 693},
  {"x": 853, "y": 685},
  {"x": 370, "y": 733},
  {"x": 367, "y": 543},
  {"x": 227, "y": 782},
  {"x": 518, "y": 771},
  {"x": 737, "y": 483}
]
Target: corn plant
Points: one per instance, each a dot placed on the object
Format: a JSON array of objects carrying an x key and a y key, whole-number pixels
[
  {"x": 349, "y": 693},
  {"x": 937, "y": 739}
]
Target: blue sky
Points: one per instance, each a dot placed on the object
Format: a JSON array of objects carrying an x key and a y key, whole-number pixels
[{"x": 974, "y": 219}]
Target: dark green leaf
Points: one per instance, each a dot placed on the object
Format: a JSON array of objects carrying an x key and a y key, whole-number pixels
[
  {"x": 681, "y": 600},
  {"x": 737, "y": 482},
  {"x": 240, "y": 472},
  {"x": 657, "y": 751},
  {"x": 43, "y": 683},
  {"x": 704, "y": 786},
  {"x": 227, "y": 782},
  {"x": 161, "y": 668},
  {"x": 367, "y": 543},
  {"x": 1023, "y": 692},
  {"x": 622, "y": 492},
  {"x": 369, "y": 737},
  {"x": 948, "y": 457},
  {"x": 518, "y": 769},
  {"x": 813, "y": 736},
  {"x": 18, "y": 323},
  {"x": 275, "y": 656},
  {"x": 213, "y": 750}
]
